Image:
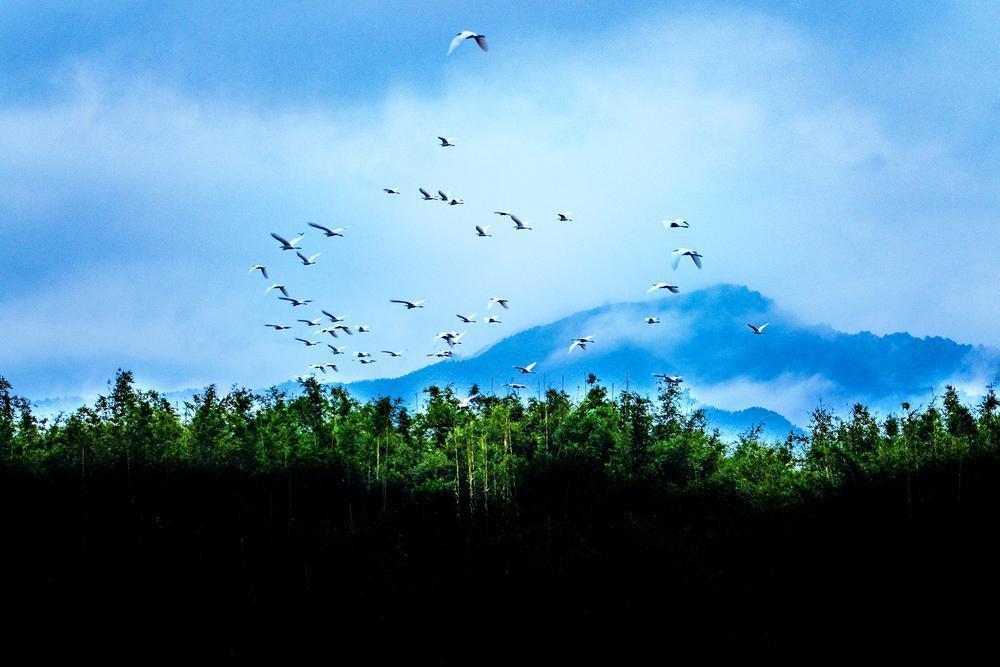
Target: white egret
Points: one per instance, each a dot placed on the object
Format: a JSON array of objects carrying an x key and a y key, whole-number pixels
[
  {"x": 285, "y": 243},
  {"x": 410, "y": 305},
  {"x": 686, "y": 252},
  {"x": 526, "y": 370},
  {"x": 308, "y": 261},
  {"x": 482, "y": 230},
  {"x": 259, "y": 267},
  {"x": 667, "y": 286},
  {"x": 676, "y": 223},
  {"x": 581, "y": 343},
  {"x": 339, "y": 231},
  {"x": 758, "y": 331},
  {"x": 468, "y": 34}
]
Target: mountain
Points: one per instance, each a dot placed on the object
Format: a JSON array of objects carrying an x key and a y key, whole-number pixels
[
  {"x": 741, "y": 379},
  {"x": 704, "y": 337}
]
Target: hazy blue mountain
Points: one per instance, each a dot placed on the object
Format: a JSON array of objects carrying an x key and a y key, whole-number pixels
[
  {"x": 704, "y": 337},
  {"x": 740, "y": 378}
]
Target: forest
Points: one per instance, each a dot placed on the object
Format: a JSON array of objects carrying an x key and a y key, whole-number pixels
[{"x": 267, "y": 524}]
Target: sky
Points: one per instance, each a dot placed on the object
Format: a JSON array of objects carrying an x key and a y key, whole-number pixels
[{"x": 841, "y": 158}]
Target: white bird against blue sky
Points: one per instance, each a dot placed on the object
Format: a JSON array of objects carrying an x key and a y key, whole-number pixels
[
  {"x": 285, "y": 243},
  {"x": 410, "y": 305},
  {"x": 308, "y": 261},
  {"x": 667, "y": 286},
  {"x": 686, "y": 252},
  {"x": 467, "y": 34},
  {"x": 338, "y": 231}
]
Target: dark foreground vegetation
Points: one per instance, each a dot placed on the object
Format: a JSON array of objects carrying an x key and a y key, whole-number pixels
[{"x": 275, "y": 526}]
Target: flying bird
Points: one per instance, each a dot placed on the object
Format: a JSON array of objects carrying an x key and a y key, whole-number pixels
[
  {"x": 278, "y": 327},
  {"x": 295, "y": 302},
  {"x": 367, "y": 361},
  {"x": 673, "y": 288},
  {"x": 492, "y": 319},
  {"x": 672, "y": 379},
  {"x": 307, "y": 261},
  {"x": 482, "y": 230},
  {"x": 464, "y": 35},
  {"x": 464, "y": 402},
  {"x": 333, "y": 318},
  {"x": 652, "y": 320},
  {"x": 676, "y": 223},
  {"x": 581, "y": 342},
  {"x": 443, "y": 354},
  {"x": 513, "y": 385},
  {"x": 308, "y": 343},
  {"x": 410, "y": 305},
  {"x": 332, "y": 367},
  {"x": 312, "y": 323},
  {"x": 454, "y": 340},
  {"x": 280, "y": 288},
  {"x": 455, "y": 201},
  {"x": 339, "y": 231},
  {"x": 502, "y": 212},
  {"x": 426, "y": 195},
  {"x": 335, "y": 349},
  {"x": 758, "y": 331},
  {"x": 444, "y": 196},
  {"x": 259, "y": 267},
  {"x": 343, "y": 327},
  {"x": 503, "y": 302},
  {"x": 285, "y": 243},
  {"x": 363, "y": 328},
  {"x": 362, "y": 355},
  {"x": 467, "y": 319},
  {"x": 682, "y": 252},
  {"x": 390, "y": 191},
  {"x": 446, "y": 142},
  {"x": 566, "y": 216},
  {"x": 526, "y": 370},
  {"x": 394, "y": 354},
  {"x": 518, "y": 225}
]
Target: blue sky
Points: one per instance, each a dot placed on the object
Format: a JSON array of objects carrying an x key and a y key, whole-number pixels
[{"x": 842, "y": 158}]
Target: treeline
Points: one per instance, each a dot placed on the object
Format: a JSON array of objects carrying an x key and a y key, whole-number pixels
[
  {"x": 482, "y": 452},
  {"x": 273, "y": 525}
]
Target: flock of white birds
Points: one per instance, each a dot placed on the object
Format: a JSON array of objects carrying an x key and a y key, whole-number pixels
[{"x": 331, "y": 325}]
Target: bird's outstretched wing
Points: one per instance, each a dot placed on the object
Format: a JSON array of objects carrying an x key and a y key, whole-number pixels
[
  {"x": 279, "y": 239},
  {"x": 697, "y": 260},
  {"x": 455, "y": 41},
  {"x": 481, "y": 41},
  {"x": 320, "y": 227}
]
